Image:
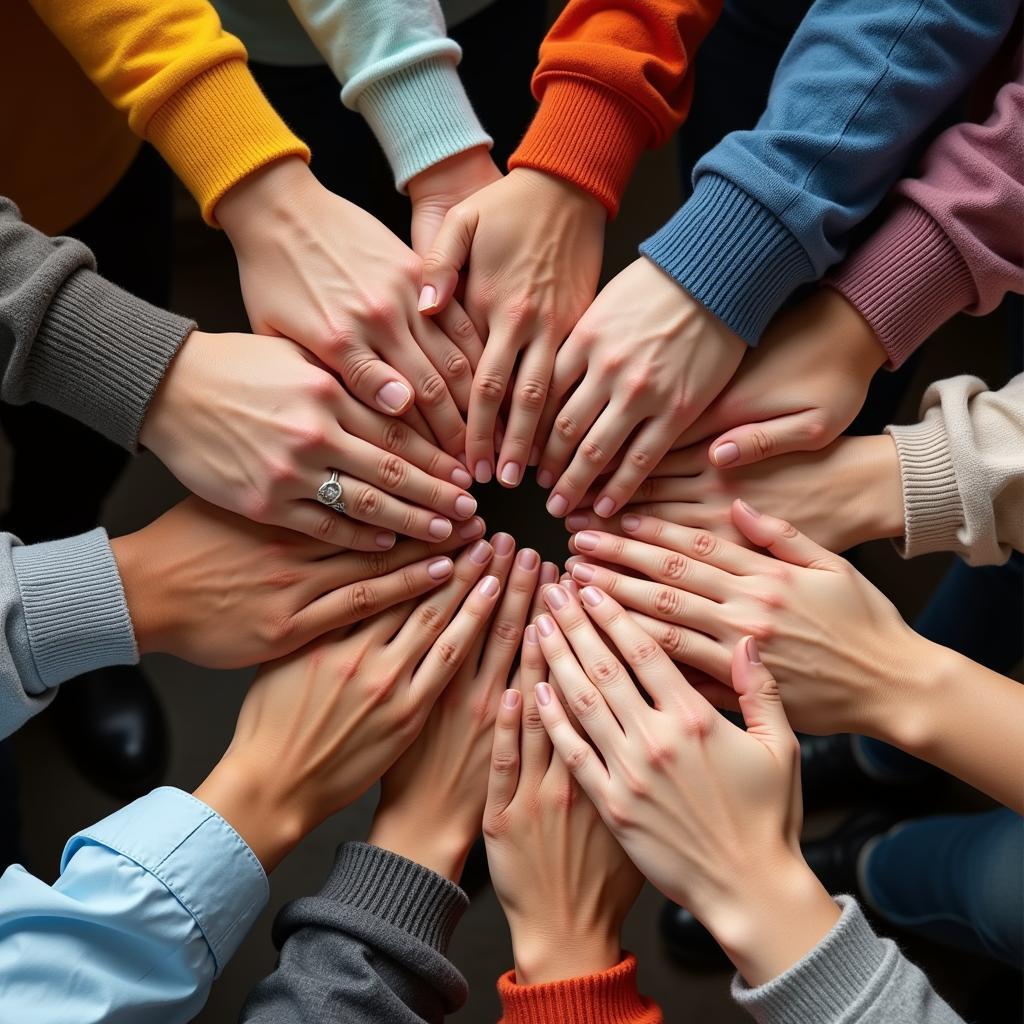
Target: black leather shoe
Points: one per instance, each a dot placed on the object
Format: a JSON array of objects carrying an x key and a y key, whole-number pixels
[
  {"x": 834, "y": 859},
  {"x": 113, "y": 727},
  {"x": 688, "y": 941}
]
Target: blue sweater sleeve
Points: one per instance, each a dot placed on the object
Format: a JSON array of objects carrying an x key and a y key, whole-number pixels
[{"x": 858, "y": 86}]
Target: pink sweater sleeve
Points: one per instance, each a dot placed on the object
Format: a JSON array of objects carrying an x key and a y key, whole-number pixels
[{"x": 954, "y": 239}]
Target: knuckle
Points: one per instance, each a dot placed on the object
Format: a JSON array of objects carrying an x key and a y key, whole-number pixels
[
  {"x": 504, "y": 762},
  {"x": 584, "y": 703},
  {"x": 668, "y": 601},
  {"x": 531, "y": 394},
  {"x": 396, "y": 437},
  {"x": 562, "y": 796},
  {"x": 696, "y": 723},
  {"x": 762, "y": 443},
  {"x": 432, "y": 389},
  {"x": 593, "y": 454},
  {"x": 367, "y": 502},
  {"x": 704, "y": 543},
  {"x": 532, "y": 722},
  {"x": 619, "y": 814},
  {"x": 379, "y": 311},
  {"x": 326, "y": 526},
  {"x": 674, "y": 567},
  {"x": 392, "y": 471},
  {"x": 506, "y": 633},
  {"x": 489, "y": 387},
  {"x": 456, "y": 366},
  {"x": 373, "y": 563},
  {"x": 578, "y": 758},
  {"x": 644, "y": 651},
  {"x": 447, "y": 652},
  {"x": 460, "y": 327},
  {"x": 565, "y": 427},
  {"x": 604, "y": 670},
  {"x": 321, "y": 387},
  {"x": 362, "y": 600}
]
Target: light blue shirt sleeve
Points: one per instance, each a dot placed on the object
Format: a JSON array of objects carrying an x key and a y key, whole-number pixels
[{"x": 150, "y": 905}]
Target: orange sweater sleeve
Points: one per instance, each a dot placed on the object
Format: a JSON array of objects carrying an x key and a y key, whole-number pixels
[
  {"x": 610, "y": 997},
  {"x": 183, "y": 83},
  {"x": 615, "y": 77}
]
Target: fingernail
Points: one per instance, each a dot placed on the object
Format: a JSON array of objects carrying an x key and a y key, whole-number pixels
[
  {"x": 428, "y": 298},
  {"x": 543, "y": 694},
  {"x": 545, "y": 478},
  {"x": 548, "y": 572},
  {"x": 393, "y": 396},
  {"x": 569, "y": 585},
  {"x": 467, "y": 531},
  {"x": 605, "y": 507},
  {"x": 577, "y": 521},
  {"x": 631, "y": 523},
  {"x": 753, "y": 654},
  {"x": 583, "y": 573},
  {"x": 725, "y": 453},
  {"x": 439, "y": 528},
  {"x": 489, "y": 586},
  {"x": 440, "y": 569},
  {"x": 510, "y": 699},
  {"x": 384, "y": 540},
  {"x": 502, "y": 543},
  {"x": 481, "y": 553},
  {"x": 545, "y": 625},
  {"x": 534, "y": 456},
  {"x": 482, "y": 471},
  {"x": 555, "y": 598},
  {"x": 511, "y": 473},
  {"x": 527, "y": 559},
  {"x": 750, "y": 508},
  {"x": 465, "y": 506},
  {"x": 462, "y": 478},
  {"x": 587, "y": 541},
  {"x": 531, "y": 634},
  {"x": 592, "y": 595},
  {"x": 558, "y": 505}
]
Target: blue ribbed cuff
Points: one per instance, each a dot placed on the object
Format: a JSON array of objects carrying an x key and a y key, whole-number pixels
[
  {"x": 421, "y": 115},
  {"x": 75, "y": 609},
  {"x": 731, "y": 254},
  {"x": 196, "y": 854}
]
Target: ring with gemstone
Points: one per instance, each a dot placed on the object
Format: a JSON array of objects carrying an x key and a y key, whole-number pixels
[{"x": 330, "y": 493}]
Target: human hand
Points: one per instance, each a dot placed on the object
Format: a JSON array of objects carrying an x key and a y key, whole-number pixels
[
  {"x": 432, "y": 798},
  {"x": 318, "y": 269},
  {"x": 254, "y": 425},
  {"x": 798, "y": 390},
  {"x": 221, "y": 591},
  {"x": 651, "y": 358},
  {"x": 532, "y": 244},
  {"x": 709, "y": 813},
  {"x": 319, "y": 727},
  {"x": 563, "y": 881}
]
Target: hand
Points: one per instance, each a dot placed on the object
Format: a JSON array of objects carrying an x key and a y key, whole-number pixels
[
  {"x": 323, "y": 272},
  {"x": 651, "y": 358},
  {"x": 220, "y": 591},
  {"x": 440, "y": 187},
  {"x": 318, "y": 728},
  {"x": 847, "y": 493},
  {"x": 254, "y": 425},
  {"x": 533, "y": 244},
  {"x": 709, "y": 813},
  {"x": 563, "y": 881},
  {"x": 798, "y": 390},
  {"x": 432, "y": 798}
]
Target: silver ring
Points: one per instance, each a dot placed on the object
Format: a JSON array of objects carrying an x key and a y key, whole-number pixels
[{"x": 330, "y": 493}]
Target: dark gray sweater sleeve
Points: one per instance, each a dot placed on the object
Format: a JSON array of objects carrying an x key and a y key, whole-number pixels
[
  {"x": 851, "y": 977},
  {"x": 71, "y": 340},
  {"x": 369, "y": 948}
]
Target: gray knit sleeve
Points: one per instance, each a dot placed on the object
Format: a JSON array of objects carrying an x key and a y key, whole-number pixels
[
  {"x": 71, "y": 340},
  {"x": 369, "y": 948},
  {"x": 851, "y": 977}
]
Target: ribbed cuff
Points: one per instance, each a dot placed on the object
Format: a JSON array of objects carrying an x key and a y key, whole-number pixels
[
  {"x": 932, "y": 509},
  {"x": 398, "y": 892},
  {"x": 826, "y": 983},
  {"x": 907, "y": 280},
  {"x": 421, "y": 115},
  {"x": 610, "y": 997},
  {"x": 75, "y": 610},
  {"x": 217, "y": 129},
  {"x": 587, "y": 134},
  {"x": 100, "y": 354},
  {"x": 731, "y": 254}
]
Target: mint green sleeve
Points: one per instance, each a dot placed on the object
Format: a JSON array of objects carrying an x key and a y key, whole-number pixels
[{"x": 397, "y": 68}]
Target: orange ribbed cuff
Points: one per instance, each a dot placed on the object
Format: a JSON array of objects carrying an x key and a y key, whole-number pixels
[
  {"x": 587, "y": 134},
  {"x": 610, "y": 997},
  {"x": 217, "y": 129}
]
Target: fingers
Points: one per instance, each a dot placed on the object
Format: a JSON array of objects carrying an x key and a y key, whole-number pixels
[
  {"x": 529, "y": 392},
  {"x": 759, "y": 700},
  {"x": 490, "y": 383},
  {"x": 755, "y": 442},
  {"x": 548, "y": 574},
  {"x": 503, "y": 776},
  {"x": 506, "y": 630},
  {"x": 324, "y": 524},
  {"x": 534, "y": 746},
  {"x": 447, "y": 358},
  {"x": 783, "y": 539},
  {"x": 687, "y": 647},
  {"x": 447, "y": 256},
  {"x": 689, "y": 461},
  {"x": 459, "y": 327},
  {"x": 641, "y": 456},
  {"x": 369, "y": 504},
  {"x": 575, "y": 752},
  {"x": 372, "y": 381},
  {"x": 571, "y": 425}
]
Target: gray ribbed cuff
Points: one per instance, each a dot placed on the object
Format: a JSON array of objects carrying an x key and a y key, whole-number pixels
[
  {"x": 932, "y": 509},
  {"x": 100, "y": 354},
  {"x": 823, "y": 985},
  {"x": 421, "y": 115},
  {"x": 398, "y": 892},
  {"x": 75, "y": 609},
  {"x": 731, "y": 254}
]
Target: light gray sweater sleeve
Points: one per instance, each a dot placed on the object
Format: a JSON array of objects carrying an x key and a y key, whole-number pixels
[
  {"x": 64, "y": 613},
  {"x": 851, "y": 977},
  {"x": 71, "y": 340},
  {"x": 369, "y": 948}
]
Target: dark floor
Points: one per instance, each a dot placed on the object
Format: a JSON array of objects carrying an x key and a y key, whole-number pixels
[{"x": 202, "y": 704}]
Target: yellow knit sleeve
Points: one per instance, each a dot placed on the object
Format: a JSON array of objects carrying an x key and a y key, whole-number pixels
[{"x": 183, "y": 83}]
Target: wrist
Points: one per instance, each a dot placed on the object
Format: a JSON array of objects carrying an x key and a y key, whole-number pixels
[
  {"x": 144, "y": 589},
  {"x": 562, "y": 190},
  {"x": 270, "y": 190},
  {"x": 431, "y": 842},
  {"x": 164, "y": 416},
  {"x": 545, "y": 952},
  {"x": 455, "y": 178},
  {"x": 867, "y": 474}
]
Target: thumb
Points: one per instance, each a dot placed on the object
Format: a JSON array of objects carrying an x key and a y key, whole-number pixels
[
  {"x": 782, "y": 539},
  {"x": 760, "y": 701},
  {"x": 373, "y": 382},
  {"x": 447, "y": 256},
  {"x": 755, "y": 442}
]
